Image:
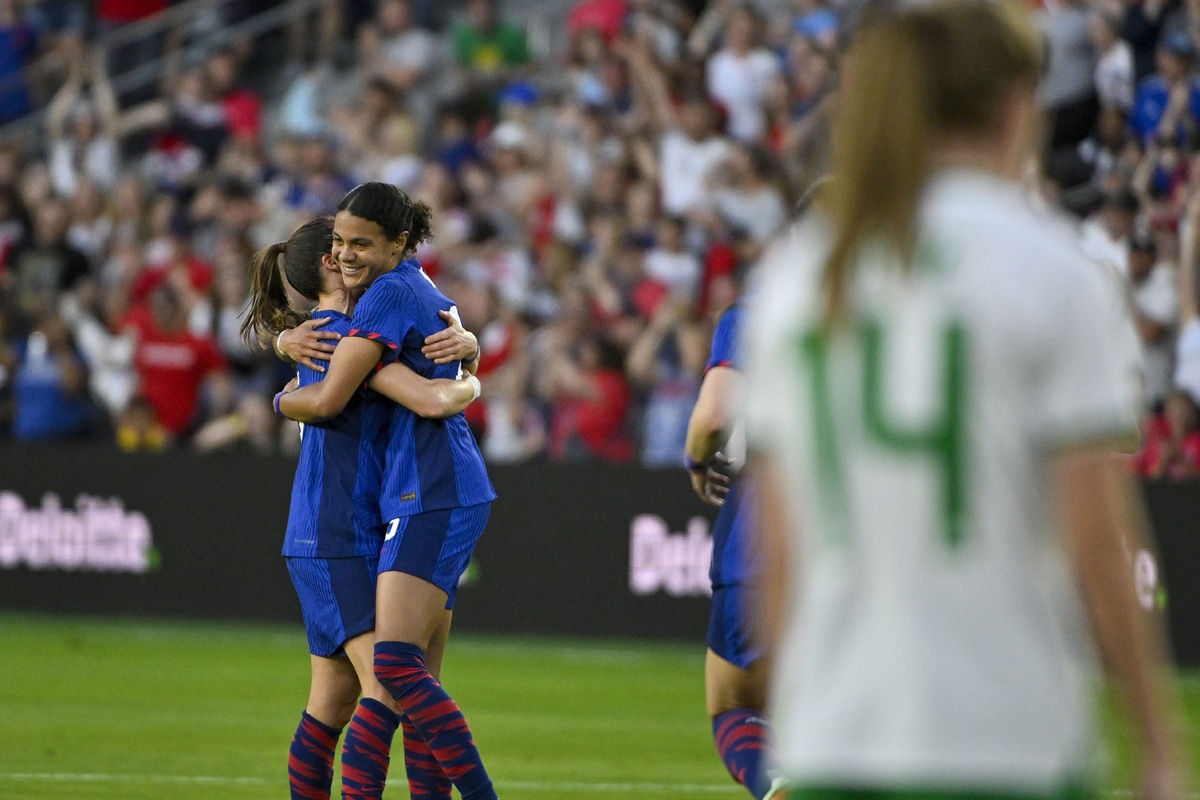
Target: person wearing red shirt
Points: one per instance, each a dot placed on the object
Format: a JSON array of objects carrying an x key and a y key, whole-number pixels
[
  {"x": 591, "y": 406},
  {"x": 173, "y": 364},
  {"x": 187, "y": 272},
  {"x": 1171, "y": 446}
]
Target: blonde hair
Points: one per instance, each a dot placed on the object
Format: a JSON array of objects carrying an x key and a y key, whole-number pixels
[{"x": 944, "y": 67}]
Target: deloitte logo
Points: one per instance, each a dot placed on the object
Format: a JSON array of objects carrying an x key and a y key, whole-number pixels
[
  {"x": 676, "y": 563},
  {"x": 96, "y": 536}
]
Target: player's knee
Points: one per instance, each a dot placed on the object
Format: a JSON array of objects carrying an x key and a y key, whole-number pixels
[
  {"x": 399, "y": 667},
  {"x": 332, "y": 710}
]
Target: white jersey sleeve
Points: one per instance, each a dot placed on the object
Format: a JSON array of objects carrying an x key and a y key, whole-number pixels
[{"x": 1090, "y": 389}]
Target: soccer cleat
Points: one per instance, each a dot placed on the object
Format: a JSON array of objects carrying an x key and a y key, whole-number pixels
[{"x": 778, "y": 790}]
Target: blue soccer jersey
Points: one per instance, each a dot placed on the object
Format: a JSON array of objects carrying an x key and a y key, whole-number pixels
[
  {"x": 725, "y": 339},
  {"x": 731, "y": 563},
  {"x": 335, "y": 510},
  {"x": 430, "y": 464}
]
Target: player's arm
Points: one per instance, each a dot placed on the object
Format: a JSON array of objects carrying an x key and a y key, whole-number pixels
[
  {"x": 1097, "y": 508},
  {"x": 306, "y": 343},
  {"x": 428, "y": 398},
  {"x": 708, "y": 430},
  {"x": 454, "y": 343},
  {"x": 351, "y": 363}
]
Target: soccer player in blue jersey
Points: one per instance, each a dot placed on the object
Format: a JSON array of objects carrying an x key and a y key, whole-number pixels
[
  {"x": 436, "y": 494},
  {"x": 734, "y": 684},
  {"x": 334, "y": 536}
]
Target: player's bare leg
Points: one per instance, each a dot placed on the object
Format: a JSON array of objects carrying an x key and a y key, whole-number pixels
[
  {"x": 411, "y": 620},
  {"x": 735, "y": 698},
  {"x": 332, "y": 695}
]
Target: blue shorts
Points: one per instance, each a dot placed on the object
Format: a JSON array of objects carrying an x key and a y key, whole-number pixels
[
  {"x": 337, "y": 597},
  {"x": 434, "y": 545},
  {"x": 729, "y": 630}
]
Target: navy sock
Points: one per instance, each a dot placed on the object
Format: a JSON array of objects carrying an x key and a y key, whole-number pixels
[
  {"x": 367, "y": 750},
  {"x": 426, "y": 778},
  {"x": 400, "y": 667},
  {"x": 740, "y": 736},
  {"x": 310, "y": 759}
]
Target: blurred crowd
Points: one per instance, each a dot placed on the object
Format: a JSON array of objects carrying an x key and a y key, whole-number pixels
[{"x": 602, "y": 175}]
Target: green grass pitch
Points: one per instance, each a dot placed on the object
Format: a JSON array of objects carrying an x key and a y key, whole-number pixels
[{"x": 190, "y": 711}]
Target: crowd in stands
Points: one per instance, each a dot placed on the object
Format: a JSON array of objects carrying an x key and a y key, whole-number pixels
[{"x": 600, "y": 184}]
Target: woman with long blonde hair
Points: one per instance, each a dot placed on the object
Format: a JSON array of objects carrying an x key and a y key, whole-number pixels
[{"x": 938, "y": 377}]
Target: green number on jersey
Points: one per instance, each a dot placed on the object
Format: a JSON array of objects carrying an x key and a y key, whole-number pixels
[{"x": 942, "y": 438}]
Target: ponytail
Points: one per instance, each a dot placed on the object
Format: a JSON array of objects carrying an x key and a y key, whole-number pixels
[
  {"x": 912, "y": 75},
  {"x": 269, "y": 312}
]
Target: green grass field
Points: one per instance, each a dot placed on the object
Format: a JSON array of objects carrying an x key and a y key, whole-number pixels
[{"x": 123, "y": 709}]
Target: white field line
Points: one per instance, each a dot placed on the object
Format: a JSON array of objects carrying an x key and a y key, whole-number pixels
[{"x": 516, "y": 786}]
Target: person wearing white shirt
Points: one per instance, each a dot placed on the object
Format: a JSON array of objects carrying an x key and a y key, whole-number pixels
[
  {"x": 1155, "y": 308},
  {"x": 739, "y": 76},
  {"x": 937, "y": 377},
  {"x": 1114, "y": 75}
]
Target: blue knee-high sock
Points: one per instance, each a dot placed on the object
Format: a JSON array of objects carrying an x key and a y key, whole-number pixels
[
  {"x": 400, "y": 667},
  {"x": 367, "y": 750},
  {"x": 310, "y": 759},
  {"x": 740, "y": 736},
  {"x": 426, "y": 778}
]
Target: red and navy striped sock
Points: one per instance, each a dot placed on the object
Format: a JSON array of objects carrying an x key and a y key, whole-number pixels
[
  {"x": 367, "y": 750},
  {"x": 310, "y": 759},
  {"x": 426, "y": 778},
  {"x": 400, "y": 667},
  {"x": 740, "y": 736}
]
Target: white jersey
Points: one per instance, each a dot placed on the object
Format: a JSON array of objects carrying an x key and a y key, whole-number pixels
[{"x": 935, "y": 638}]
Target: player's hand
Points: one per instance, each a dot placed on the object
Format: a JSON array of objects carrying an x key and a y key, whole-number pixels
[
  {"x": 305, "y": 343},
  {"x": 292, "y": 385},
  {"x": 455, "y": 343},
  {"x": 712, "y": 484}
]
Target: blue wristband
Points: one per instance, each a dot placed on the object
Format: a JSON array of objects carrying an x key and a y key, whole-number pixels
[
  {"x": 693, "y": 465},
  {"x": 275, "y": 403}
]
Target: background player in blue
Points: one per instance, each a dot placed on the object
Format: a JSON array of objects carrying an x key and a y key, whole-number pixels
[
  {"x": 334, "y": 537},
  {"x": 734, "y": 678},
  {"x": 436, "y": 493}
]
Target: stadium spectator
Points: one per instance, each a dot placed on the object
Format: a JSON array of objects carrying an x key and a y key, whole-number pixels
[
  {"x": 1067, "y": 90},
  {"x": 396, "y": 49},
  {"x": 181, "y": 376},
  {"x": 1113, "y": 76},
  {"x": 43, "y": 267},
  {"x": 666, "y": 363},
  {"x": 318, "y": 183},
  {"x": 241, "y": 105},
  {"x": 1155, "y": 309},
  {"x": 605, "y": 17},
  {"x": 1167, "y": 104},
  {"x": 688, "y": 146},
  {"x": 740, "y": 73},
  {"x": 590, "y": 397},
  {"x": 746, "y": 202},
  {"x": 487, "y": 44},
  {"x": 49, "y": 386},
  {"x": 83, "y": 129},
  {"x": 1171, "y": 441},
  {"x": 1105, "y": 235},
  {"x": 17, "y": 46}
]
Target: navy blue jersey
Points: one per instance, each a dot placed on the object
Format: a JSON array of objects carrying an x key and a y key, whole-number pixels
[
  {"x": 731, "y": 563},
  {"x": 335, "y": 506},
  {"x": 725, "y": 339},
  {"x": 429, "y": 464}
]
